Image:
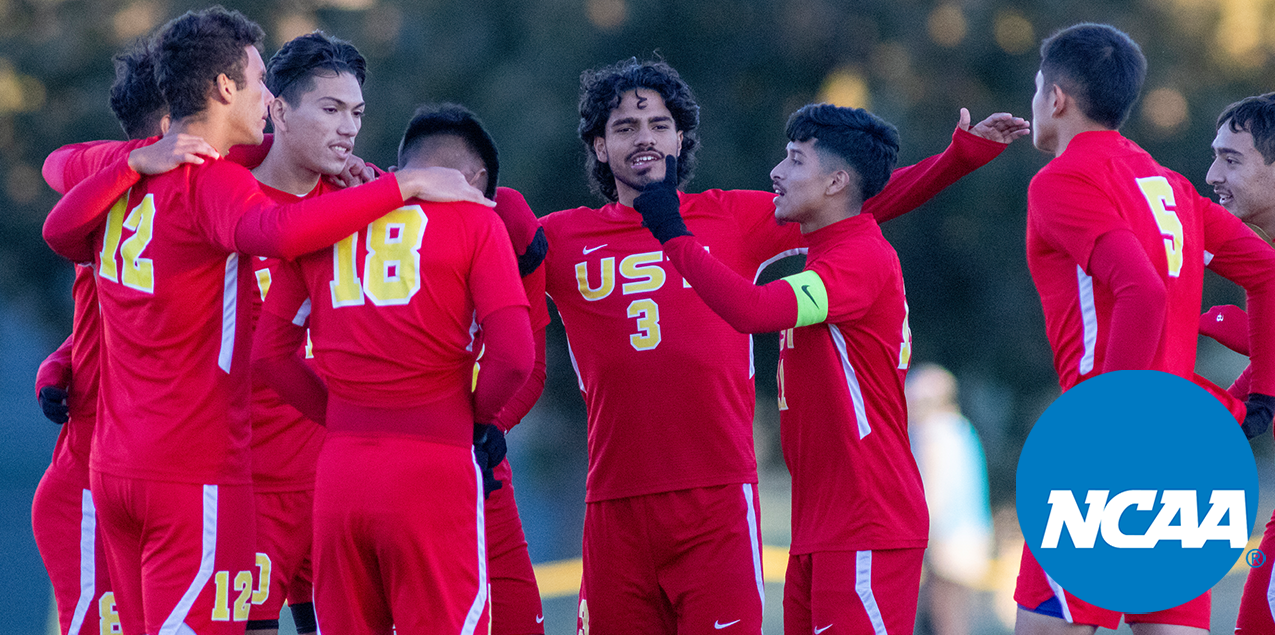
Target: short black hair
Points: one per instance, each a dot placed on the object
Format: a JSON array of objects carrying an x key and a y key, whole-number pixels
[
  {"x": 452, "y": 119},
  {"x": 292, "y": 69},
  {"x": 601, "y": 91},
  {"x": 192, "y": 50},
  {"x": 135, "y": 97},
  {"x": 1100, "y": 66},
  {"x": 1256, "y": 116},
  {"x": 866, "y": 142}
]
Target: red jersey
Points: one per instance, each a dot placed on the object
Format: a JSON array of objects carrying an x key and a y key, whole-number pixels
[
  {"x": 174, "y": 295},
  {"x": 285, "y": 444},
  {"x": 390, "y": 308},
  {"x": 1103, "y": 182},
  {"x": 632, "y": 323},
  {"x": 71, "y": 454},
  {"x": 843, "y": 417}
]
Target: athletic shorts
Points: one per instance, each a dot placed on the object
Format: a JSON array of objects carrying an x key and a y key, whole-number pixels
[
  {"x": 685, "y": 562},
  {"x": 285, "y": 532},
  {"x": 398, "y": 537},
  {"x": 1256, "y": 603},
  {"x": 852, "y": 592},
  {"x": 64, "y": 522},
  {"x": 188, "y": 549},
  {"x": 515, "y": 598},
  {"x": 1035, "y": 588}
]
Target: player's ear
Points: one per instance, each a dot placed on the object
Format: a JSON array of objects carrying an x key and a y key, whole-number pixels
[
  {"x": 225, "y": 88},
  {"x": 838, "y": 181},
  {"x": 600, "y": 147},
  {"x": 278, "y": 109},
  {"x": 165, "y": 123},
  {"x": 479, "y": 177},
  {"x": 1059, "y": 105}
]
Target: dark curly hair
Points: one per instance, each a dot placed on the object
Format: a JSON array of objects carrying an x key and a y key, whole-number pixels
[
  {"x": 291, "y": 71},
  {"x": 135, "y": 97},
  {"x": 192, "y": 50},
  {"x": 601, "y": 91},
  {"x": 1256, "y": 116},
  {"x": 431, "y": 120},
  {"x": 866, "y": 142}
]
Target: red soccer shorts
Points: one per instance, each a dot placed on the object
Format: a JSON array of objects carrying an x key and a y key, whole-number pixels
[
  {"x": 852, "y": 592},
  {"x": 1035, "y": 587},
  {"x": 1255, "y": 605},
  {"x": 178, "y": 553},
  {"x": 515, "y": 598},
  {"x": 64, "y": 521},
  {"x": 398, "y": 537},
  {"x": 285, "y": 531},
  {"x": 686, "y": 562}
]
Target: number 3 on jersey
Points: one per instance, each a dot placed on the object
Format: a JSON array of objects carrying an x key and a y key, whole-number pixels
[
  {"x": 391, "y": 267},
  {"x": 1159, "y": 195}
]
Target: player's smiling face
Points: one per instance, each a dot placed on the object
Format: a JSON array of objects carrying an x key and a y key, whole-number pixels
[
  {"x": 1241, "y": 178},
  {"x": 320, "y": 129},
  {"x": 639, "y": 133},
  {"x": 252, "y": 100},
  {"x": 801, "y": 183}
]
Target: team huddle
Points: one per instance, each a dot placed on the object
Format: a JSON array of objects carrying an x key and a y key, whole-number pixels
[{"x": 291, "y": 373}]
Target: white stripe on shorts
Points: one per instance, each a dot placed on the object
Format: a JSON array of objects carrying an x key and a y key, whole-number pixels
[
  {"x": 175, "y": 624},
  {"x": 480, "y": 600},
  {"x": 1062, "y": 598},
  {"x": 863, "y": 586},
  {"x": 754, "y": 542},
  {"x": 88, "y": 561}
]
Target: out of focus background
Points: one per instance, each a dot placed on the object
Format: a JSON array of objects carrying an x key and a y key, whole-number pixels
[{"x": 751, "y": 63}]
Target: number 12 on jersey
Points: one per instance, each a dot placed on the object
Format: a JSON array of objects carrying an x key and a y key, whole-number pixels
[{"x": 391, "y": 267}]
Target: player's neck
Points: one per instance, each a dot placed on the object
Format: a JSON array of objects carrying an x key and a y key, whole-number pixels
[
  {"x": 1069, "y": 128},
  {"x": 214, "y": 130},
  {"x": 282, "y": 173},
  {"x": 625, "y": 194},
  {"x": 828, "y": 215}
]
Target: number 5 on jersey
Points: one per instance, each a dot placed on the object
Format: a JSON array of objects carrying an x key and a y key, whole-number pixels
[{"x": 391, "y": 267}]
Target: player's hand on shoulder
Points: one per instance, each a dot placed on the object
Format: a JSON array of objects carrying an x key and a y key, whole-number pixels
[
  {"x": 1001, "y": 127},
  {"x": 439, "y": 185},
  {"x": 53, "y": 403},
  {"x": 525, "y": 232},
  {"x": 356, "y": 172},
  {"x": 660, "y": 206},
  {"x": 169, "y": 152}
]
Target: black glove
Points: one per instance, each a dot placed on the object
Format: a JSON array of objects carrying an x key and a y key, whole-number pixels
[
  {"x": 489, "y": 451},
  {"x": 658, "y": 204},
  {"x": 1261, "y": 409},
  {"x": 535, "y": 253},
  {"x": 53, "y": 403}
]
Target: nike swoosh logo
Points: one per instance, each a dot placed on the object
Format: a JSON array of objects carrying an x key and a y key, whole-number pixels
[
  {"x": 820, "y": 630},
  {"x": 805, "y": 288},
  {"x": 719, "y": 626},
  {"x": 589, "y": 250},
  {"x": 540, "y": 619}
]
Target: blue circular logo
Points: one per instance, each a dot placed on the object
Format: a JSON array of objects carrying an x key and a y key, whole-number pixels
[{"x": 1136, "y": 491}]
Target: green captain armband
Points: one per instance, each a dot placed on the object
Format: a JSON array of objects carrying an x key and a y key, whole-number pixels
[{"x": 812, "y": 297}]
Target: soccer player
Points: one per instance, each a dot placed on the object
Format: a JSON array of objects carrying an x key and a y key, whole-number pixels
[
  {"x": 63, "y": 517},
  {"x": 1117, "y": 246},
  {"x": 859, "y": 522},
  {"x": 398, "y": 506},
  {"x": 170, "y": 468},
  {"x": 451, "y": 136},
  {"x": 672, "y": 485},
  {"x": 1243, "y": 177}
]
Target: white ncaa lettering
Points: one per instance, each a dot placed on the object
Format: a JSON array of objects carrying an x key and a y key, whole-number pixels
[{"x": 1104, "y": 515}]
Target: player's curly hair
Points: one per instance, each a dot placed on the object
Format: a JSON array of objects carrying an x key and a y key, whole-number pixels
[
  {"x": 601, "y": 91},
  {"x": 430, "y": 120},
  {"x": 1256, "y": 116},
  {"x": 192, "y": 50},
  {"x": 291, "y": 71},
  {"x": 135, "y": 97},
  {"x": 866, "y": 142},
  {"x": 1100, "y": 66}
]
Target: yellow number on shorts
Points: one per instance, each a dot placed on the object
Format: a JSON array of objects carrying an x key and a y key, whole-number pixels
[
  {"x": 1159, "y": 195},
  {"x": 391, "y": 269},
  {"x": 243, "y": 603},
  {"x": 221, "y": 600},
  {"x": 263, "y": 282},
  {"x": 108, "y": 618},
  {"x": 905, "y": 349},
  {"x": 108, "y": 269},
  {"x": 139, "y": 272},
  {"x": 647, "y": 313},
  {"x": 262, "y": 591},
  {"x": 584, "y": 618}
]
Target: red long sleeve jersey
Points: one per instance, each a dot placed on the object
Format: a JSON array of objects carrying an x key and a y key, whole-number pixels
[
  {"x": 666, "y": 382},
  {"x": 391, "y": 307},
  {"x": 843, "y": 416},
  {"x": 1101, "y": 183},
  {"x": 75, "y": 439}
]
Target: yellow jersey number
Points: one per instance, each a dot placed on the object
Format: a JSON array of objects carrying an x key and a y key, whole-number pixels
[{"x": 391, "y": 268}]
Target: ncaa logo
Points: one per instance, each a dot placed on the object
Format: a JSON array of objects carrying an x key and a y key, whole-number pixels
[{"x": 1136, "y": 491}]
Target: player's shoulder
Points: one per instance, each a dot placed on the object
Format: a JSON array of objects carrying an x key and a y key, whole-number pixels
[{"x": 563, "y": 221}]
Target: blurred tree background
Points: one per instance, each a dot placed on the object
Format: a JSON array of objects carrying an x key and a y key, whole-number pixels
[{"x": 751, "y": 63}]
